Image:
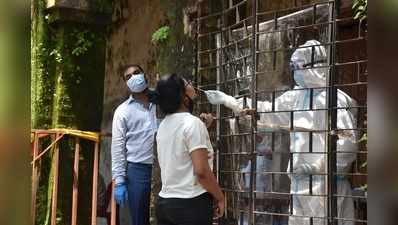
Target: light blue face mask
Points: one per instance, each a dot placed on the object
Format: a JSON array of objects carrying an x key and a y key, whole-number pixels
[
  {"x": 299, "y": 78},
  {"x": 137, "y": 83}
]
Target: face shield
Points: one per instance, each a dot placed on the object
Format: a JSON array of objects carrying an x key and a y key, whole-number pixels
[{"x": 309, "y": 65}]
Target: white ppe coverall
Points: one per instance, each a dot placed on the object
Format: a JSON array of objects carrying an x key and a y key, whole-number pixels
[
  {"x": 305, "y": 204},
  {"x": 311, "y": 71}
]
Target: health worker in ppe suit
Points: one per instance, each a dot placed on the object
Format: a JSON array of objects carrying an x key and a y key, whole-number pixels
[
  {"x": 310, "y": 71},
  {"x": 312, "y": 74}
]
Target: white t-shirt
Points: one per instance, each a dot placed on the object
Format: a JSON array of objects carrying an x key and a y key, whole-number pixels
[{"x": 178, "y": 135}]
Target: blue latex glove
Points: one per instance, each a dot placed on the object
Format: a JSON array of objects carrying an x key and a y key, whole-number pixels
[{"x": 120, "y": 194}]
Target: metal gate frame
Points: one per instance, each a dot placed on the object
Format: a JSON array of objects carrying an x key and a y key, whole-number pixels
[{"x": 215, "y": 56}]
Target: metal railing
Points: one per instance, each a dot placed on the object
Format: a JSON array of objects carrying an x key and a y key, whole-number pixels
[{"x": 57, "y": 135}]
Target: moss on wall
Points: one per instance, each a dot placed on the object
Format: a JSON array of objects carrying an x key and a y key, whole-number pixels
[
  {"x": 66, "y": 91},
  {"x": 41, "y": 80},
  {"x": 177, "y": 54}
]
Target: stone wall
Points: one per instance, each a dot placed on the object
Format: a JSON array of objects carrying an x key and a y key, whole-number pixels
[{"x": 129, "y": 41}]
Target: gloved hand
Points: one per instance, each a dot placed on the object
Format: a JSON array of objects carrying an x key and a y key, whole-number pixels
[
  {"x": 216, "y": 97},
  {"x": 120, "y": 194},
  {"x": 304, "y": 168}
]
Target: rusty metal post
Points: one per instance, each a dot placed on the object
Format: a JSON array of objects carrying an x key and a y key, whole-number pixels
[
  {"x": 34, "y": 178},
  {"x": 113, "y": 206},
  {"x": 55, "y": 188},
  {"x": 95, "y": 185},
  {"x": 75, "y": 188}
]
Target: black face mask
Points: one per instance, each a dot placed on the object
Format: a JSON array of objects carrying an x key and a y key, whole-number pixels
[{"x": 190, "y": 104}]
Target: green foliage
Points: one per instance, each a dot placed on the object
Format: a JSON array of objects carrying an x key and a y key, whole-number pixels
[
  {"x": 161, "y": 35},
  {"x": 363, "y": 138},
  {"x": 56, "y": 53},
  {"x": 49, "y": 18},
  {"x": 104, "y": 6},
  {"x": 84, "y": 41},
  {"x": 360, "y": 9},
  {"x": 57, "y": 56}
]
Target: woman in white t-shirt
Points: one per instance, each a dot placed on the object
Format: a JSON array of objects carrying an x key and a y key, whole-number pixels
[{"x": 185, "y": 158}]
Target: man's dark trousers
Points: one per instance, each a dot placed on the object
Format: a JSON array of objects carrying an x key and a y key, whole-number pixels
[{"x": 139, "y": 192}]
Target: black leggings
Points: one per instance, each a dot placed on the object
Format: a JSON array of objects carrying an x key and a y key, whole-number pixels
[{"x": 191, "y": 211}]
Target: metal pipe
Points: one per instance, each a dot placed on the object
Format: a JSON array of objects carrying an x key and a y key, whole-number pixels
[
  {"x": 75, "y": 188},
  {"x": 95, "y": 186},
  {"x": 34, "y": 178},
  {"x": 113, "y": 206},
  {"x": 332, "y": 122},
  {"x": 55, "y": 180}
]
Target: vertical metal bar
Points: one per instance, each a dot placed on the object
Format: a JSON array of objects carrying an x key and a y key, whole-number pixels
[
  {"x": 34, "y": 177},
  {"x": 272, "y": 218},
  {"x": 310, "y": 183},
  {"x": 291, "y": 121},
  {"x": 55, "y": 188},
  {"x": 220, "y": 71},
  {"x": 332, "y": 115},
  {"x": 237, "y": 14},
  {"x": 314, "y": 14},
  {"x": 274, "y": 50},
  {"x": 313, "y": 24},
  {"x": 310, "y": 136},
  {"x": 198, "y": 49},
  {"x": 218, "y": 80},
  {"x": 95, "y": 186},
  {"x": 273, "y": 101},
  {"x": 312, "y": 56},
  {"x": 311, "y": 98},
  {"x": 113, "y": 206},
  {"x": 273, "y": 153},
  {"x": 220, "y": 127},
  {"x": 254, "y": 106},
  {"x": 291, "y": 203},
  {"x": 197, "y": 59},
  {"x": 291, "y": 174},
  {"x": 75, "y": 188}
]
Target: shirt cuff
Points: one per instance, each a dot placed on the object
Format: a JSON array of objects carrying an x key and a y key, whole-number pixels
[
  {"x": 119, "y": 180},
  {"x": 198, "y": 147}
]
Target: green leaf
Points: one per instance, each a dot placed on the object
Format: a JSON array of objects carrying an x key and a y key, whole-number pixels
[
  {"x": 356, "y": 2},
  {"x": 161, "y": 35},
  {"x": 363, "y": 138}
]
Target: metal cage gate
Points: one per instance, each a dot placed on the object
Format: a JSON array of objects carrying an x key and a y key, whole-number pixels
[{"x": 301, "y": 158}]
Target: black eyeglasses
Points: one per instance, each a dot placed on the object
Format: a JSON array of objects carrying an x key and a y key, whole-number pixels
[{"x": 188, "y": 82}]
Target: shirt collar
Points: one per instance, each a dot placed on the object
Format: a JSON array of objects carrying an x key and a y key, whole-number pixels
[{"x": 131, "y": 100}]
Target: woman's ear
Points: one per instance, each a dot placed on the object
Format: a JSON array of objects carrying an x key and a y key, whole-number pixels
[{"x": 185, "y": 99}]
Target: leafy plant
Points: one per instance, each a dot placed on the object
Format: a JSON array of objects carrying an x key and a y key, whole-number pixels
[
  {"x": 161, "y": 35},
  {"x": 363, "y": 138},
  {"x": 84, "y": 41},
  {"x": 360, "y": 9}
]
